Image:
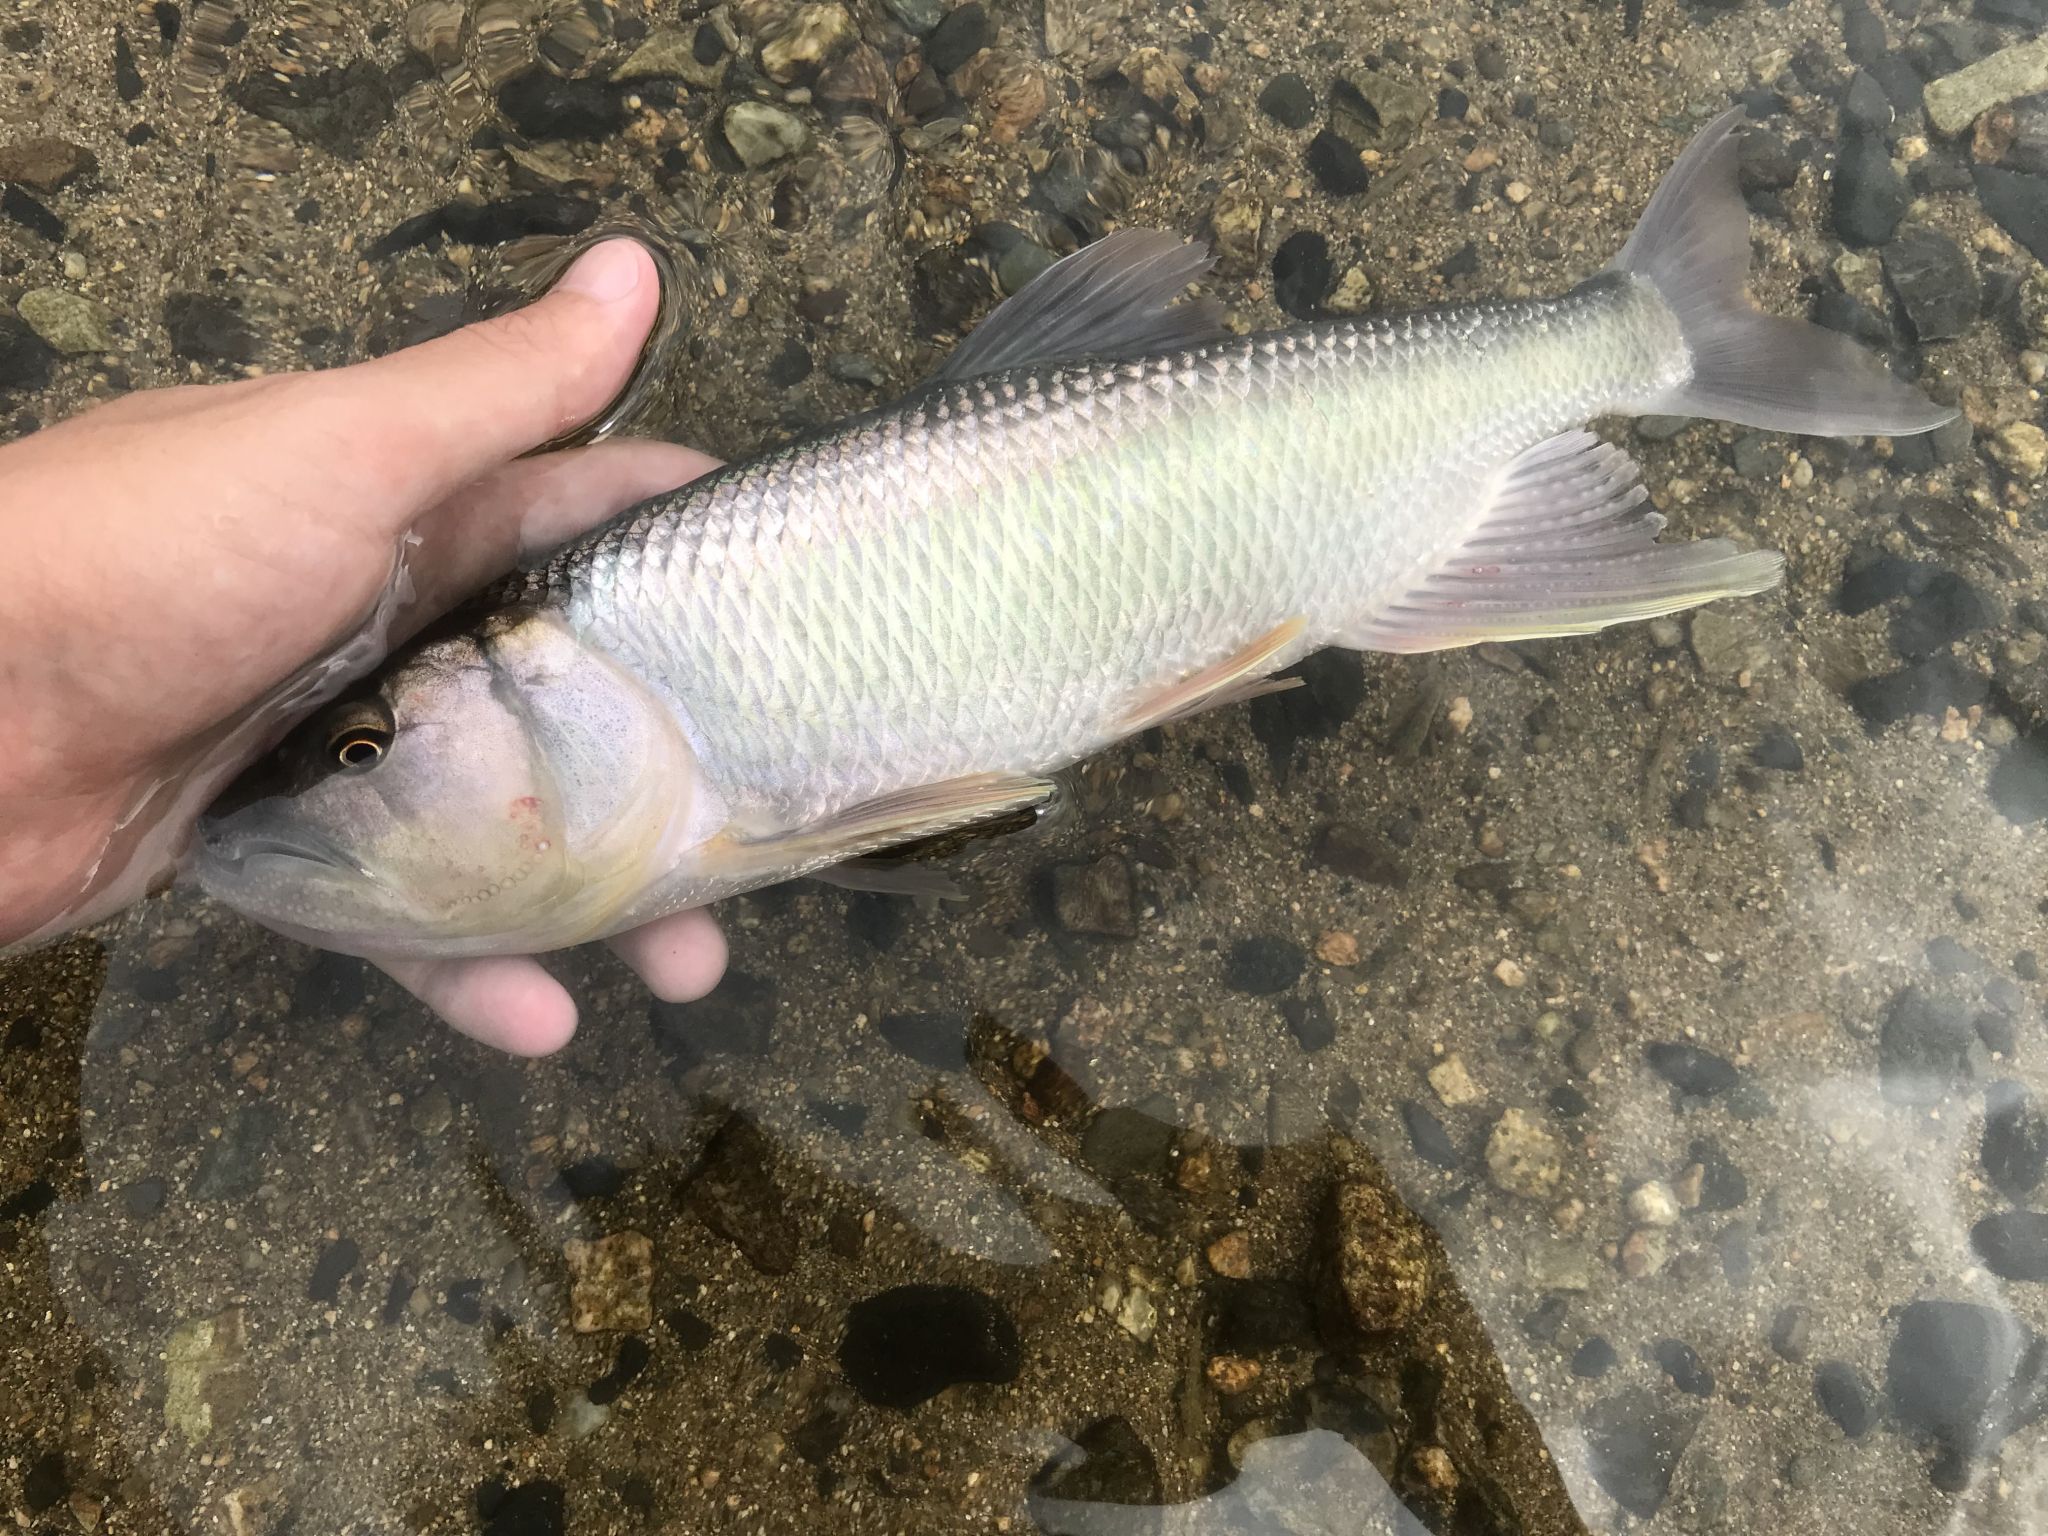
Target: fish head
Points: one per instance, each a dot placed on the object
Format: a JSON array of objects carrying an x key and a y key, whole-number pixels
[{"x": 501, "y": 790}]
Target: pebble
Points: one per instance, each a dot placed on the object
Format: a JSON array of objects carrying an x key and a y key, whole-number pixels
[
  {"x": 69, "y": 322},
  {"x": 1232, "y": 1374},
  {"x": 908, "y": 1344},
  {"x": 1236, "y": 223},
  {"x": 2019, "y": 202},
  {"x": 1098, "y": 898},
  {"x": 1302, "y": 274},
  {"x": 1644, "y": 1252},
  {"x": 1963, "y": 1376},
  {"x": 25, "y": 358},
  {"x": 1523, "y": 1158},
  {"x": 1594, "y": 1359},
  {"x": 1376, "y": 1272},
  {"x": 1509, "y": 973},
  {"x": 1109, "y": 1464},
  {"x": 2013, "y": 1244},
  {"x": 207, "y": 329},
  {"x": 1358, "y": 854},
  {"x": 1682, "y": 1363},
  {"x": 1264, "y": 964},
  {"x": 1935, "y": 282},
  {"x": 1728, "y": 643},
  {"x": 919, "y": 17},
  {"x": 1690, "y": 1069},
  {"x": 2014, "y": 1148},
  {"x": 543, "y": 105},
  {"x": 1634, "y": 1444},
  {"x": 1955, "y": 100},
  {"x": 966, "y": 30},
  {"x": 816, "y": 34},
  {"x": 2021, "y": 449},
  {"x": 1791, "y": 1330},
  {"x": 1336, "y": 164},
  {"x": 1926, "y": 1047},
  {"x": 525, "y": 1509},
  {"x": 734, "y": 1193},
  {"x": 761, "y": 133},
  {"x": 1231, "y": 1255},
  {"x": 2019, "y": 784},
  {"x": 1653, "y": 1204},
  {"x": 1840, "y": 1390},
  {"x": 1870, "y": 197},
  {"x": 1288, "y": 100},
  {"x": 1336, "y": 947},
  {"x": 208, "y": 1383},
  {"x": 1453, "y": 1082},
  {"x": 47, "y": 165},
  {"x": 1427, "y": 1136}
]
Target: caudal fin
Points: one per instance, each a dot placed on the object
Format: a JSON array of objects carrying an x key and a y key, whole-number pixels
[{"x": 1692, "y": 246}]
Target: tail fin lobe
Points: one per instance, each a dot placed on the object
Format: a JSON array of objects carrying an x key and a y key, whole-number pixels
[{"x": 1692, "y": 246}]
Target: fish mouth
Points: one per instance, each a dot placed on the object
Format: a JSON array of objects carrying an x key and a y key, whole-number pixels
[{"x": 230, "y": 852}]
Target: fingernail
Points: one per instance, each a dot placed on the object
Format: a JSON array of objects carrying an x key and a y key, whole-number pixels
[{"x": 607, "y": 274}]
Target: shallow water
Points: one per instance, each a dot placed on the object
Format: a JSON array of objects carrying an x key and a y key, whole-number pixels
[{"x": 1580, "y": 1086}]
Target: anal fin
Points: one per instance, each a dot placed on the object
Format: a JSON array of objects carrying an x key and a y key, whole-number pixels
[
  {"x": 880, "y": 877},
  {"x": 1564, "y": 547},
  {"x": 1237, "y": 677}
]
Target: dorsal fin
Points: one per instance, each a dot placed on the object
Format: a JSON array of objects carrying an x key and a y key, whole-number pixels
[{"x": 1111, "y": 299}]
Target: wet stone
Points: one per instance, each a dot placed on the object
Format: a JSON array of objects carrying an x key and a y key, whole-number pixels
[
  {"x": 1963, "y": 1376},
  {"x": 2019, "y": 783},
  {"x": 1350, "y": 850},
  {"x": 336, "y": 1263},
  {"x": 1593, "y": 1359},
  {"x": 919, "y": 17},
  {"x": 1929, "y": 687},
  {"x": 208, "y": 330},
  {"x": 46, "y": 165},
  {"x": 207, "y": 1380},
  {"x": 611, "y": 1283},
  {"x": 1840, "y": 1390},
  {"x": 760, "y": 133},
  {"x": 1926, "y": 1048},
  {"x": 735, "y": 1194},
  {"x": 966, "y": 30},
  {"x": 1791, "y": 1332},
  {"x": 1426, "y": 1134},
  {"x": 909, "y": 1344},
  {"x": 1865, "y": 106},
  {"x": 1288, "y": 100},
  {"x": 1263, "y": 1316},
  {"x": 1870, "y": 197},
  {"x": 2013, "y": 1244},
  {"x": 232, "y": 1166},
  {"x": 1264, "y": 964},
  {"x": 338, "y": 110},
  {"x": 526, "y": 1509},
  {"x": 1778, "y": 749},
  {"x": 2014, "y": 1149},
  {"x": 1108, "y": 1463},
  {"x": 1682, "y": 1364},
  {"x": 937, "y": 1040},
  {"x": 1310, "y": 1021},
  {"x": 543, "y": 105},
  {"x": 1334, "y": 162},
  {"x": 1096, "y": 898},
  {"x": 1635, "y": 1444},
  {"x": 1943, "y": 610},
  {"x": 18, "y": 207},
  {"x": 1376, "y": 1269},
  {"x": 2019, "y": 202},
  {"x": 25, "y": 358},
  {"x": 1689, "y": 1069},
  {"x": 1302, "y": 274},
  {"x": 1523, "y": 1158},
  {"x": 1935, "y": 282}
]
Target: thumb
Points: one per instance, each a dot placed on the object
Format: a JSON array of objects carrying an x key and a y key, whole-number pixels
[{"x": 444, "y": 413}]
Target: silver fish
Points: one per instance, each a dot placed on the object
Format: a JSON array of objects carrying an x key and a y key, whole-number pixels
[{"x": 1103, "y": 514}]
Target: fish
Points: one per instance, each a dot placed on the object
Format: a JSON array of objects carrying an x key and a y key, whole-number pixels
[{"x": 1104, "y": 513}]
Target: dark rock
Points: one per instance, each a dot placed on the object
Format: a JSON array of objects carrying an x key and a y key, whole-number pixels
[
  {"x": 737, "y": 1019},
  {"x": 1491, "y": 60},
  {"x": 1925, "y": 1048},
  {"x": 45, "y": 1484},
  {"x": 1691, "y": 1070},
  {"x": 208, "y": 330},
  {"x": 628, "y": 1363},
  {"x": 937, "y": 1040},
  {"x": 1840, "y": 1390},
  {"x": 1791, "y": 1330},
  {"x": 1426, "y": 1134},
  {"x": 1944, "y": 610},
  {"x": 691, "y": 1332},
  {"x": 1871, "y": 577},
  {"x": 1310, "y": 1021},
  {"x": 820, "y": 1436},
  {"x": 790, "y": 366},
  {"x": 527, "y": 1509},
  {"x": 1462, "y": 262},
  {"x": 1543, "y": 1325},
  {"x": 1866, "y": 108},
  {"x": 543, "y": 105},
  {"x": 1723, "y": 1187},
  {"x": 1935, "y": 281},
  {"x": 1778, "y": 748},
  {"x": 46, "y": 165},
  {"x": 1098, "y": 898},
  {"x": 1635, "y": 1443},
  {"x": 18, "y": 207},
  {"x": 1288, "y": 101},
  {"x": 1682, "y": 1363},
  {"x": 464, "y": 1301},
  {"x": 232, "y": 1166},
  {"x": 1357, "y": 854},
  {"x": 919, "y": 17},
  {"x": 1108, "y": 1464},
  {"x": 1334, "y": 162},
  {"x": 2013, "y": 1244},
  {"x": 1764, "y": 163},
  {"x": 2031, "y": 14},
  {"x": 2018, "y": 202},
  {"x": 25, "y": 358},
  {"x": 1264, "y": 964},
  {"x": 2019, "y": 784},
  {"x": 1452, "y": 104},
  {"x": 1926, "y": 688},
  {"x": 1964, "y": 1376},
  {"x": 28, "y": 1202},
  {"x": 1851, "y": 317},
  {"x": 1946, "y": 957},
  {"x": 1556, "y": 133},
  {"x": 734, "y": 1193},
  {"x": 514, "y": 218},
  {"x": 964, "y": 33},
  {"x": 593, "y": 1178},
  {"x": 127, "y": 78},
  {"x": 1264, "y": 1316},
  {"x": 1594, "y": 1359},
  {"x": 2014, "y": 1149},
  {"x": 23, "y": 36},
  {"x": 910, "y": 1343},
  {"x": 336, "y": 1263},
  {"x": 1862, "y": 33},
  {"x": 1129, "y": 1150},
  {"x": 1869, "y": 196},
  {"x": 1302, "y": 274},
  {"x": 1333, "y": 688},
  {"x": 338, "y": 110}
]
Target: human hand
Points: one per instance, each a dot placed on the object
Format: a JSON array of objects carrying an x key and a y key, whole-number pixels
[{"x": 180, "y": 557}]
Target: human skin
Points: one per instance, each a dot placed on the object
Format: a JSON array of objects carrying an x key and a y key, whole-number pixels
[{"x": 173, "y": 557}]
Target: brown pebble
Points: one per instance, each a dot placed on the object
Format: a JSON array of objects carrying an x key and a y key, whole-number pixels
[
  {"x": 1231, "y": 1256},
  {"x": 1336, "y": 947},
  {"x": 1232, "y": 1374}
]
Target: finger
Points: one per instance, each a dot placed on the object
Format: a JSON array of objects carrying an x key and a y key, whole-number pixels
[
  {"x": 526, "y": 508},
  {"x": 681, "y": 958},
  {"x": 506, "y": 1001},
  {"x": 432, "y": 418}
]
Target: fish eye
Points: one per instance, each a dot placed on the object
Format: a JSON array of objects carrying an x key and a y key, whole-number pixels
[{"x": 358, "y": 735}]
